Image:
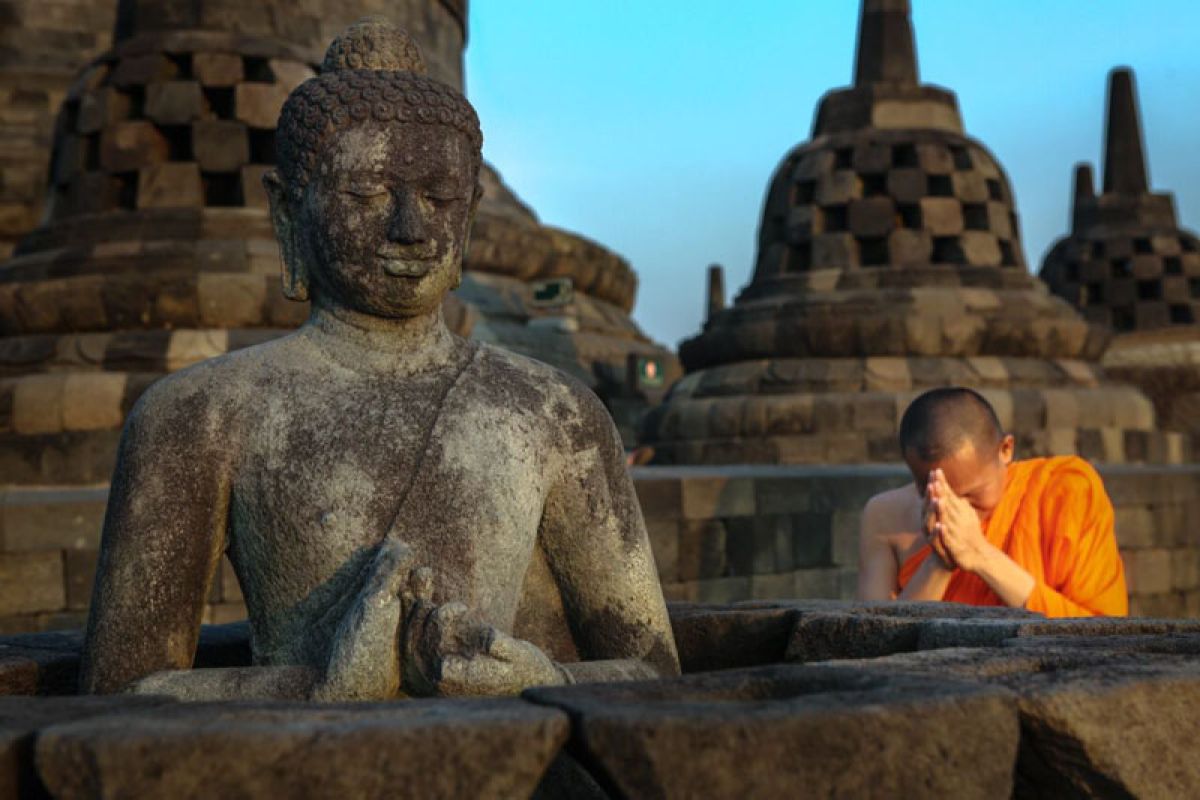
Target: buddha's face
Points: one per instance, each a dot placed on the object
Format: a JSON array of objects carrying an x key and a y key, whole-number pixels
[{"x": 381, "y": 226}]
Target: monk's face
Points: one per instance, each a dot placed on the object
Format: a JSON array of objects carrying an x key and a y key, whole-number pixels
[
  {"x": 976, "y": 475},
  {"x": 386, "y": 215}
]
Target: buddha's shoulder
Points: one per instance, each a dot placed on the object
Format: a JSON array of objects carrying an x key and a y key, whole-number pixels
[
  {"x": 231, "y": 379},
  {"x": 521, "y": 383}
]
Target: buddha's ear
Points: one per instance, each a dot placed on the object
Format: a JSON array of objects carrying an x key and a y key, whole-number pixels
[
  {"x": 295, "y": 272},
  {"x": 476, "y": 196}
]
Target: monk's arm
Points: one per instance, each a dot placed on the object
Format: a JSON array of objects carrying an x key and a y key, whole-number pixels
[
  {"x": 599, "y": 553},
  {"x": 163, "y": 537},
  {"x": 1084, "y": 573},
  {"x": 1008, "y": 579},
  {"x": 929, "y": 582},
  {"x": 877, "y": 567}
]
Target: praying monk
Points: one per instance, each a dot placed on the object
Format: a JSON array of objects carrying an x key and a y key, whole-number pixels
[
  {"x": 408, "y": 513},
  {"x": 977, "y": 527}
]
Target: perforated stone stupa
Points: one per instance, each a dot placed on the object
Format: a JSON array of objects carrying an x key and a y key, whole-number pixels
[
  {"x": 1128, "y": 264},
  {"x": 43, "y": 44},
  {"x": 157, "y": 251},
  {"x": 889, "y": 262}
]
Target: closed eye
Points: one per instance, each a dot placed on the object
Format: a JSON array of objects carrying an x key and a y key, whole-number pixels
[
  {"x": 441, "y": 198},
  {"x": 364, "y": 192}
]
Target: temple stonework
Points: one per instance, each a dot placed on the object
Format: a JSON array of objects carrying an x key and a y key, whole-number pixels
[
  {"x": 157, "y": 251},
  {"x": 1128, "y": 264},
  {"x": 890, "y": 262},
  {"x": 43, "y": 43}
]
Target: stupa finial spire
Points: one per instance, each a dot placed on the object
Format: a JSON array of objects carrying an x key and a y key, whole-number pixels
[
  {"x": 1084, "y": 192},
  {"x": 1124, "y": 156},
  {"x": 886, "y": 49}
]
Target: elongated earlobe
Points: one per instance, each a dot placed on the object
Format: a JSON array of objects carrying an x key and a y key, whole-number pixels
[{"x": 295, "y": 272}]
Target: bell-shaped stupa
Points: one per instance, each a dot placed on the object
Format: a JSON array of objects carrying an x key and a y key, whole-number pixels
[
  {"x": 1128, "y": 264},
  {"x": 44, "y": 44},
  {"x": 890, "y": 262}
]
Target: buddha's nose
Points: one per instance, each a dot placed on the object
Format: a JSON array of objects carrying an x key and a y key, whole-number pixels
[{"x": 408, "y": 220}]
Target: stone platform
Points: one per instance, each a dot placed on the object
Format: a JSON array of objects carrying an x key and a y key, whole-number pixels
[
  {"x": 831, "y": 699},
  {"x": 720, "y": 534}
]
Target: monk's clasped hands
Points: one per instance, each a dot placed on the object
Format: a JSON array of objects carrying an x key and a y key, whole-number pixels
[{"x": 953, "y": 529}]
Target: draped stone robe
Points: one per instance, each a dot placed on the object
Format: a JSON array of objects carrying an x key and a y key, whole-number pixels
[{"x": 297, "y": 457}]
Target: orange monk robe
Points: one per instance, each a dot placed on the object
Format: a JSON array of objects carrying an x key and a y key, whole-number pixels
[{"x": 1056, "y": 521}]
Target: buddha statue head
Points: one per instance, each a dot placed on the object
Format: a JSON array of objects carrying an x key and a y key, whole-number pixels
[{"x": 377, "y": 179}]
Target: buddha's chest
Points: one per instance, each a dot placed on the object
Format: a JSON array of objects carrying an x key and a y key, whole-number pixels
[{"x": 313, "y": 494}]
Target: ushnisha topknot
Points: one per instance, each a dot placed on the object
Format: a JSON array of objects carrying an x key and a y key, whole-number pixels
[
  {"x": 372, "y": 71},
  {"x": 374, "y": 43}
]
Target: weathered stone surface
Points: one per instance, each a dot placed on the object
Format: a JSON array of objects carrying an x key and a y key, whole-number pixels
[
  {"x": 218, "y": 69},
  {"x": 485, "y": 748},
  {"x": 941, "y": 633},
  {"x": 31, "y": 582},
  {"x": 723, "y": 637},
  {"x": 220, "y": 145},
  {"x": 1079, "y": 708},
  {"x": 346, "y": 572},
  {"x": 174, "y": 102},
  {"x": 18, "y": 674},
  {"x": 780, "y": 731},
  {"x": 142, "y": 202},
  {"x": 21, "y": 718},
  {"x": 170, "y": 186},
  {"x": 865, "y": 630}
]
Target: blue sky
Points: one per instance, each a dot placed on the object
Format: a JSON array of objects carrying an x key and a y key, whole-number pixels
[{"x": 652, "y": 126}]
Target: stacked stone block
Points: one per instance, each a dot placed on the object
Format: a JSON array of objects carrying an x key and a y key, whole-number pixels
[
  {"x": 1127, "y": 264},
  {"x": 776, "y": 699},
  {"x": 889, "y": 263},
  {"x": 44, "y": 42},
  {"x": 891, "y": 198},
  {"x": 718, "y": 534},
  {"x": 757, "y": 532}
]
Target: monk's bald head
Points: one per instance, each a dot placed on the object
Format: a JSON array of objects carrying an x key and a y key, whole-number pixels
[{"x": 941, "y": 422}]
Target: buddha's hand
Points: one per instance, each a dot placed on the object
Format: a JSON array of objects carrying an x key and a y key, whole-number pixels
[
  {"x": 448, "y": 652},
  {"x": 364, "y": 662},
  {"x": 957, "y": 528}
]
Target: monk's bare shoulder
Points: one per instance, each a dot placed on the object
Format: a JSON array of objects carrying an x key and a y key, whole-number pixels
[{"x": 892, "y": 515}]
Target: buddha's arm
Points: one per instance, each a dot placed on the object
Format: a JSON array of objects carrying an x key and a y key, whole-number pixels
[
  {"x": 599, "y": 552},
  {"x": 163, "y": 535}
]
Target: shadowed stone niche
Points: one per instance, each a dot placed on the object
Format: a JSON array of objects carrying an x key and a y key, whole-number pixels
[
  {"x": 1129, "y": 265},
  {"x": 890, "y": 262},
  {"x": 782, "y": 699}
]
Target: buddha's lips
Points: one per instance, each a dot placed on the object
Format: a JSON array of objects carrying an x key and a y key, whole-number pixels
[{"x": 406, "y": 268}]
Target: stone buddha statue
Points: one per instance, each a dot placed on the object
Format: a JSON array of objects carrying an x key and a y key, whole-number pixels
[{"x": 408, "y": 513}]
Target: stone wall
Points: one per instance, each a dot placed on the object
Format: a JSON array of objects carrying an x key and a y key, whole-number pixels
[
  {"x": 720, "y": 534},
  {"x": 777, "y": 700},
  {"x": 42, "y": 44},
  {"x": 723, "y": 534}
]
